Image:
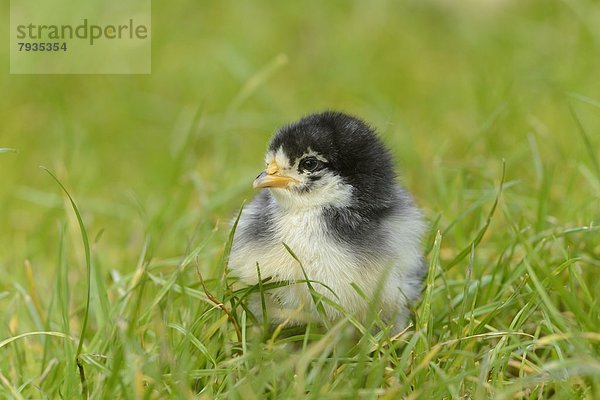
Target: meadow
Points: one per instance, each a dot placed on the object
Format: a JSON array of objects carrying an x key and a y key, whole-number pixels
[{"x": 113, "y": 279}]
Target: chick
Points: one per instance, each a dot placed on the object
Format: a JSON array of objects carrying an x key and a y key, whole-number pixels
[{"x": 330, "y": 194}]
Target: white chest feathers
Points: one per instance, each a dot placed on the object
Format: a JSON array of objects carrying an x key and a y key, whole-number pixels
[{"x": 332, "y": 267}]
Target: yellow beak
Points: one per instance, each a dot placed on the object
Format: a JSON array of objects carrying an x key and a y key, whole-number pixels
[{"x": 271, "y": 177}]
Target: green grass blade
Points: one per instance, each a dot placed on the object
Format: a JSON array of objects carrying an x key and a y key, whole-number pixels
[
  {"x": 29, "y": 334},
  {"x": 424, "y": 322},
  {"x": 88, "y": 263},
  {"x": 316, "y": 296},
  {"x": 591, "y": 149},
  {"x": 467, "y": 250}
]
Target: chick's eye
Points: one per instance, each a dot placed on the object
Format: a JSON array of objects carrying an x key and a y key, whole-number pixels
[{"x": 310, "y": 164}]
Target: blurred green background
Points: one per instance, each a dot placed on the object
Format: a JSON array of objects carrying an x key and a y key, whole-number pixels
[{"x": 453, "y": 88}]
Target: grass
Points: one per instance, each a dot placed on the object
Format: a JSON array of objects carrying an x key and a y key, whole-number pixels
[{"x": 492, "y": 111}]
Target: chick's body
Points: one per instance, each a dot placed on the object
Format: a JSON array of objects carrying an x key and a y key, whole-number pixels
[{"x": 330, "y": 194}]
